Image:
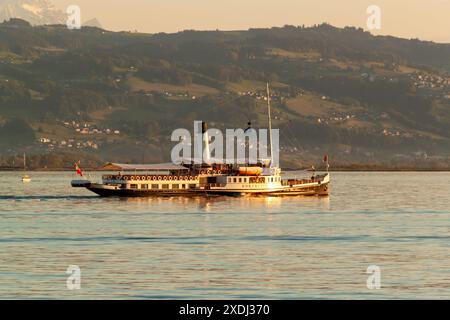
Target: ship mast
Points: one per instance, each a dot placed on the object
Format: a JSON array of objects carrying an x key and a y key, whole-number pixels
[{"x": 270, "y": 124}]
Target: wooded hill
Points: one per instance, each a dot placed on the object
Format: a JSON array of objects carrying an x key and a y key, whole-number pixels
[{"x": 360, "y": 98}]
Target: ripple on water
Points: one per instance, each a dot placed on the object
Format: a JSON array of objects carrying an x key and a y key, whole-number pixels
[{"x": 242, "y": 248}]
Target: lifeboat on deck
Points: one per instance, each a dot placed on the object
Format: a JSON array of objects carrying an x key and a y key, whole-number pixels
[{"x": 250, "y": 171}]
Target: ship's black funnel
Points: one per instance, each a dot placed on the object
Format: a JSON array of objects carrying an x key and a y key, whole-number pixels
[{"x": 204, "y": 127}]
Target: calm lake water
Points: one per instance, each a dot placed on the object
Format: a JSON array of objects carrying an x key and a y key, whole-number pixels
[{"x": 249, "y": 248}]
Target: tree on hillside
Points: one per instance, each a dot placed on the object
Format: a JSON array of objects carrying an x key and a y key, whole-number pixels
[{"x": 16, "y": 132}]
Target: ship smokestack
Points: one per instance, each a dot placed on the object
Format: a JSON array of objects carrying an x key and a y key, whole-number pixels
[{"x": 206, "y": 152}]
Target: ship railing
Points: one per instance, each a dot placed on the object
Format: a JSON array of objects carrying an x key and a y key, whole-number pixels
[
  {"x": 149, "y": 178},
  {"x": 291, "y": 182}
]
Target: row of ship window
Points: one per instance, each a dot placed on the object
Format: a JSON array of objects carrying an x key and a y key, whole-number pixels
[
  {"x": 162, "y": 186},
  {"x": 254, "y": 180},
  {"x": 188, "y": 186}
]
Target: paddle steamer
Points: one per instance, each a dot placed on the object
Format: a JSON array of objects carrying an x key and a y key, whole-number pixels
[{"x": 191, "y": 179}]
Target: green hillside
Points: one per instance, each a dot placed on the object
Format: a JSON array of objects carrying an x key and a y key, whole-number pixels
[{"x": 97, "y": 96}]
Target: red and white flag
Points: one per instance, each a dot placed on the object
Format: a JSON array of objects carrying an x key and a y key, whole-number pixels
[{"x": 78, "y": 170}]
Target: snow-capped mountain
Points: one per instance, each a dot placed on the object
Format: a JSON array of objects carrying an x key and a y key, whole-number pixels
[
  {"x": 36, "y": 12},
  {"x": 93, "y": 23}
]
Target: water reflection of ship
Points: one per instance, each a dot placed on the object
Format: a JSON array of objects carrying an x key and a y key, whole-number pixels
[
  {"x": 214, "y": 204},
  {"x": 207, "y": 178}
]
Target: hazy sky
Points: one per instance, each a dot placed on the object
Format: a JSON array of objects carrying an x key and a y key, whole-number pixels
[{"x": 424, "y": 19}]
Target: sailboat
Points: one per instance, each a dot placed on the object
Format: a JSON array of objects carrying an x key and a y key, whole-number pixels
[{"x": 25, "y": 178}]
